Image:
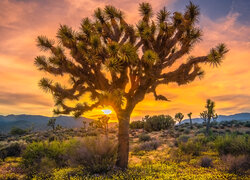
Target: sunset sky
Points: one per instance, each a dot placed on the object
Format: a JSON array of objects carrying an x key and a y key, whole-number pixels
[{"x": 227, "y": 21}]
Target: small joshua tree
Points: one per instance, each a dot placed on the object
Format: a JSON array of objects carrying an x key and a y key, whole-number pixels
[
  {"x": 51, "y": 123},
  {"x": 117, "y": 64},
  {"x": 190, "y": 118},
  {"x": 102, "y": 123},
  {"x": 209, "y": 114},
  {"x": 178, "y": 117},
  {"x": 84, "y": 124}
]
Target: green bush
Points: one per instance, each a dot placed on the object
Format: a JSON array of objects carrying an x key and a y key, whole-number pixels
[
  {"x": 144, "y": 137},
  {"x": 233, "y": 144},
  {"x": 190, "y": 147},
  {"x": 183, "y": 139},
  {"x": 39, "y": 155},
  {"x": 237, "y": 164},
  {"x": 136, "y": 125},
  {"x": 206, "y": 162},
  {"x": 157, "y": 123},
  {"x": 95, "y": 154},
  {"x": 17, "y": 131},
  {"x": 147, "y": 146},
  {"x": 10, "y": 150},
  {"x": 247, "y": 124},
  {"x": 186, "y": 131}
]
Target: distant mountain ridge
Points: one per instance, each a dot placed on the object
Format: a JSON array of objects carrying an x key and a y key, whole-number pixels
[
  {"x": 38, "y": 122},
  {"x": 238, "y": 117}
]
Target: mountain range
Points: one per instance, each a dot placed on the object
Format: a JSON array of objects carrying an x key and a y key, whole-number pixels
[
  {"x": 37, "y": 122},
  {"x": 238, "y": 117}
]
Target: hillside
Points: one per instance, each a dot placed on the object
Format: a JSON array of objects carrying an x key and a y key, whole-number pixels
[
  {"x": 37, "y": 122},
  {"x": 238, "y": 117}
]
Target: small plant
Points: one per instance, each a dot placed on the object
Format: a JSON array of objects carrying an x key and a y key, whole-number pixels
[
  {"x": 51, "y": 123},
  {"x": 233, "y": 144},
  {"x": 136, "y": 125},
  {"x": 17, "y": 131},
  {"x": 191, "y": 147},
  {"x": 186, "y": 131},
  {"x": 237, "y": 164},
  {"x": 147, "y": 146},
  {"x": 183, "y": 139},
  {"x": 206, "y": 162},
  {"x": 247, "y": 124},
  {"x": 144, "y": 137},
  {"x": 12, "y": 150}
]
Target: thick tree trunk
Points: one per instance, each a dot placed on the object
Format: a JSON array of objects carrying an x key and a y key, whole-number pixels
[{"x": 123, "y": 140}]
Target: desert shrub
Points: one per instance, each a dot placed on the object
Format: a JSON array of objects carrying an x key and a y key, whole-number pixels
[
  {"x": 206, "y": 162},
  {"x": 181, "y": 129},
  {"x": 136, "y": 125},
  {"x": 247, "y": 124},
  {"x": 183, "y": 139},
  {"x": 144, "y": 137},
  {"x": 228, "y": 131},
  {"x": 95, "y": 154},
  {"x": 237, "y": 125},
  {"x": 233, "y": 144},
  {"x": 186, "y": 131},
  {"x": 216, "y": 127},
  {"x": 10, "y": 150},
  {"x": 40, "y": 155},
  {"x": 157, "y": 123},
  {"x": 147, "y": 146},
  {"x": 222, "y": 126},
  {"x": 239, "y": 133},
  {"x": 237, "y": 164},
  {"x": 190, "y": 147},
  {"x": 17, "y": 131}
]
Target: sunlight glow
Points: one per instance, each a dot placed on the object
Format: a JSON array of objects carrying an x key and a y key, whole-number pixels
[{"x": 106, "y": 111}]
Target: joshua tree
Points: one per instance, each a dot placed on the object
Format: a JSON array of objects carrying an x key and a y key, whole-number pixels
[
  {"x": 190, "y": 118},
  {"x": 117, "y": 64},
  {"x": 52, "y": 123},
  {"x": 102, "y": 123},
  {"x": 208, "y": 114},
  {"x": 84, "y": 124},
  {"x": 179, "y": 116}
]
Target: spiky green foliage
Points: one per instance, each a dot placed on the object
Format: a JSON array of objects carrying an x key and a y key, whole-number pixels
[
  {"x": 110, "y": 42},
  {"x": 52, "y": 123},
  {"x": 190, "y": 118},
  {"x": 209, "y": 114},
  {"x": 179, "y": 116}
]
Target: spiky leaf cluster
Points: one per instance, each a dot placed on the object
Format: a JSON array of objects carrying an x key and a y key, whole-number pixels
[{"x": 117, "y": 63}]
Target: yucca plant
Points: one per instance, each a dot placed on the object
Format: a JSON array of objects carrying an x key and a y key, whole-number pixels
[
  {"x": 209, "y": 114},
  {"x": 117, "y": 64},
  {"x": 190, "y": 118}
]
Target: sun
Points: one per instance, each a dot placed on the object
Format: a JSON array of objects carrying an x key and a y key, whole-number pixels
[{"x": 106, "y": 111}]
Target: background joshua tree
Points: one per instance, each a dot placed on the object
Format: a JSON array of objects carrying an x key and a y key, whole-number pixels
[
  {"x": 178, "y": 117},
  {"x": 117, "y": 64},
  {"x": 190, "y": 118},
  {"x": 102, "y": 123},
  {"x": 51, "y": 123},
  {"x": 209, "y": 114},
  {"x": 84, "y": 124}
]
